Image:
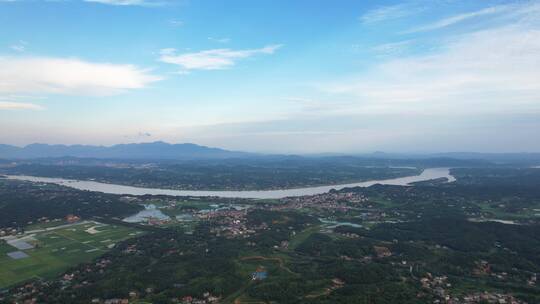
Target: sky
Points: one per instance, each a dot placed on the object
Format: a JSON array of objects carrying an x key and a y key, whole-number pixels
[{"x": 303, "y": 76}]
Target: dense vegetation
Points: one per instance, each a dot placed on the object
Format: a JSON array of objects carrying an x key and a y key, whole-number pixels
[
  {"x": 525, "y": 177},
  {"x": 171, "y": 264},
  {"x": 23, "y": 202},
  {"x": 219, "y": 176},
  {"x": 415, "y": 244}
]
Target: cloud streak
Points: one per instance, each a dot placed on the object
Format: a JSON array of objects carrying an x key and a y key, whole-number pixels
[
  {"x": 215, "y": 59},
  {"x": 390, "y": 12},
  {"x": 34, "y": 75},
  {"x": 8, "y": 105},
  {"x": 128, "y": 2},
  {"x": 446, "y": 22},
  {"x": 220, "y": 40},
  {"x": 176, "y": 23},
  {"x": 20, "y": 46}
]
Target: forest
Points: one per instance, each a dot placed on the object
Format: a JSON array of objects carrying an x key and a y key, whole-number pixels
[{"x": 24, "y": 202}]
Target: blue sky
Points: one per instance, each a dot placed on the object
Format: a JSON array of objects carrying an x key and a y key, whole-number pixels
[{"x": 273, "y": 76}]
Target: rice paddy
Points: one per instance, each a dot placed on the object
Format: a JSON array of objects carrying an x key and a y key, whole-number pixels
[{"x": 55, "y": 249}]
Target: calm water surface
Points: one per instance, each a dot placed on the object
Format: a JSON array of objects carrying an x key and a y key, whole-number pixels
[
  {"x": 150, "y": 212},
  {"x": 334, "y": 224},
  {"x": 427, "y": 174}
]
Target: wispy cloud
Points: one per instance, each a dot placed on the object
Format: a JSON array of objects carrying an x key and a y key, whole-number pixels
[
  {"x": 492, "y": 70},
  {"x": 8, "y": 105},
  {"x": 392, "y": 48},
  {"x": 215, "y": 59},
  {"x": 20, "y": 46},
  {"x": 139, "y": 135},
  {"x": 449, "y": 21},
  {"x": 32, "y": 75},
  {"x": 17, "y": 47},
  {"x": 391, "y": 12},
  {"x": 488, "y": 71},
  {"x": 176, "y": 23},
  {"x": 112, "y": 2},
  {"x": 128, "y": 2},
  {"x": 309, "y": 107},
  {"x": 220, "y": 40}
]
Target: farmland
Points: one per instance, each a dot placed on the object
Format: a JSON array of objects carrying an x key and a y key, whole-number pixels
[{"x": 55, "y": 249}]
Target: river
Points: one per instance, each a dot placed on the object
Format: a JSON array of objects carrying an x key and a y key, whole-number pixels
[{"x": 427, "y": 174}]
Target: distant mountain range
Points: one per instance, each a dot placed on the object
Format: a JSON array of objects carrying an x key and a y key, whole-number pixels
[
  {"x": 154, "y": 150},
  {"x": 518, "y": 157},
  {"x": 187, "y": 151}
]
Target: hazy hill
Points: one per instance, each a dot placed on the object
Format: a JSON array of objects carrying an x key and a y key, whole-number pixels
[{"x": 154, "y": 150}]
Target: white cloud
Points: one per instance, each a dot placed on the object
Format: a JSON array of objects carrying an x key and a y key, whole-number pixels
[
  {"x": 489, "y": 71},
  {"x": 36, "y": 75},
  {"x": 113, "y": 2},
  {"x": 391, "y": 12},
  {"x": 128, "y": 2},
  {"x": 215, "y": 59},
  {"x": 463, "y": 17},
  {"x": 8, "y": 105}
]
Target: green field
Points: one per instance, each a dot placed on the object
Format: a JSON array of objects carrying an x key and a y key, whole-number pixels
[{"x": 58, "y": 249}]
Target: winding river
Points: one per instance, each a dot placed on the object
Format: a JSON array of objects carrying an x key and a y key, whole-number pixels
[{"x": 427, "y": 174}]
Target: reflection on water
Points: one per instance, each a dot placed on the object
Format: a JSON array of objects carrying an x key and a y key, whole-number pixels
[
  {"x": 481, "y": 220},
  {"x": 427, "y": 174},
  {"x": 215, "y": 207},
  {"x": 334, "y": 224},
  {"x": 150, "y": 212}
]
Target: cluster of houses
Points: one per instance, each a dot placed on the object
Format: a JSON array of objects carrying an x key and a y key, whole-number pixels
[
  {"x": 483, "y": 268},
  {"x": 532, "y": 280},
  {"x": 382, "y": 251},
  {"x": 71, "y": 218},
  {"x": 9, "y": 231},
  {"x": 487, "y": 297},
  {"x": 28, "y": 292},
  {"x": 436, "y": 285},
  {"x": 330, "y": 201},
  {"x": 207, "y": 298},
  {"x": 439, "y": 285},
  {"x": 339, "y": 203},
  {"x": 229, "y": 223}
]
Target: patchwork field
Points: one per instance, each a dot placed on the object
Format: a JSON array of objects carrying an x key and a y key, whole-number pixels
[{"x": 55, "y": 249}]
